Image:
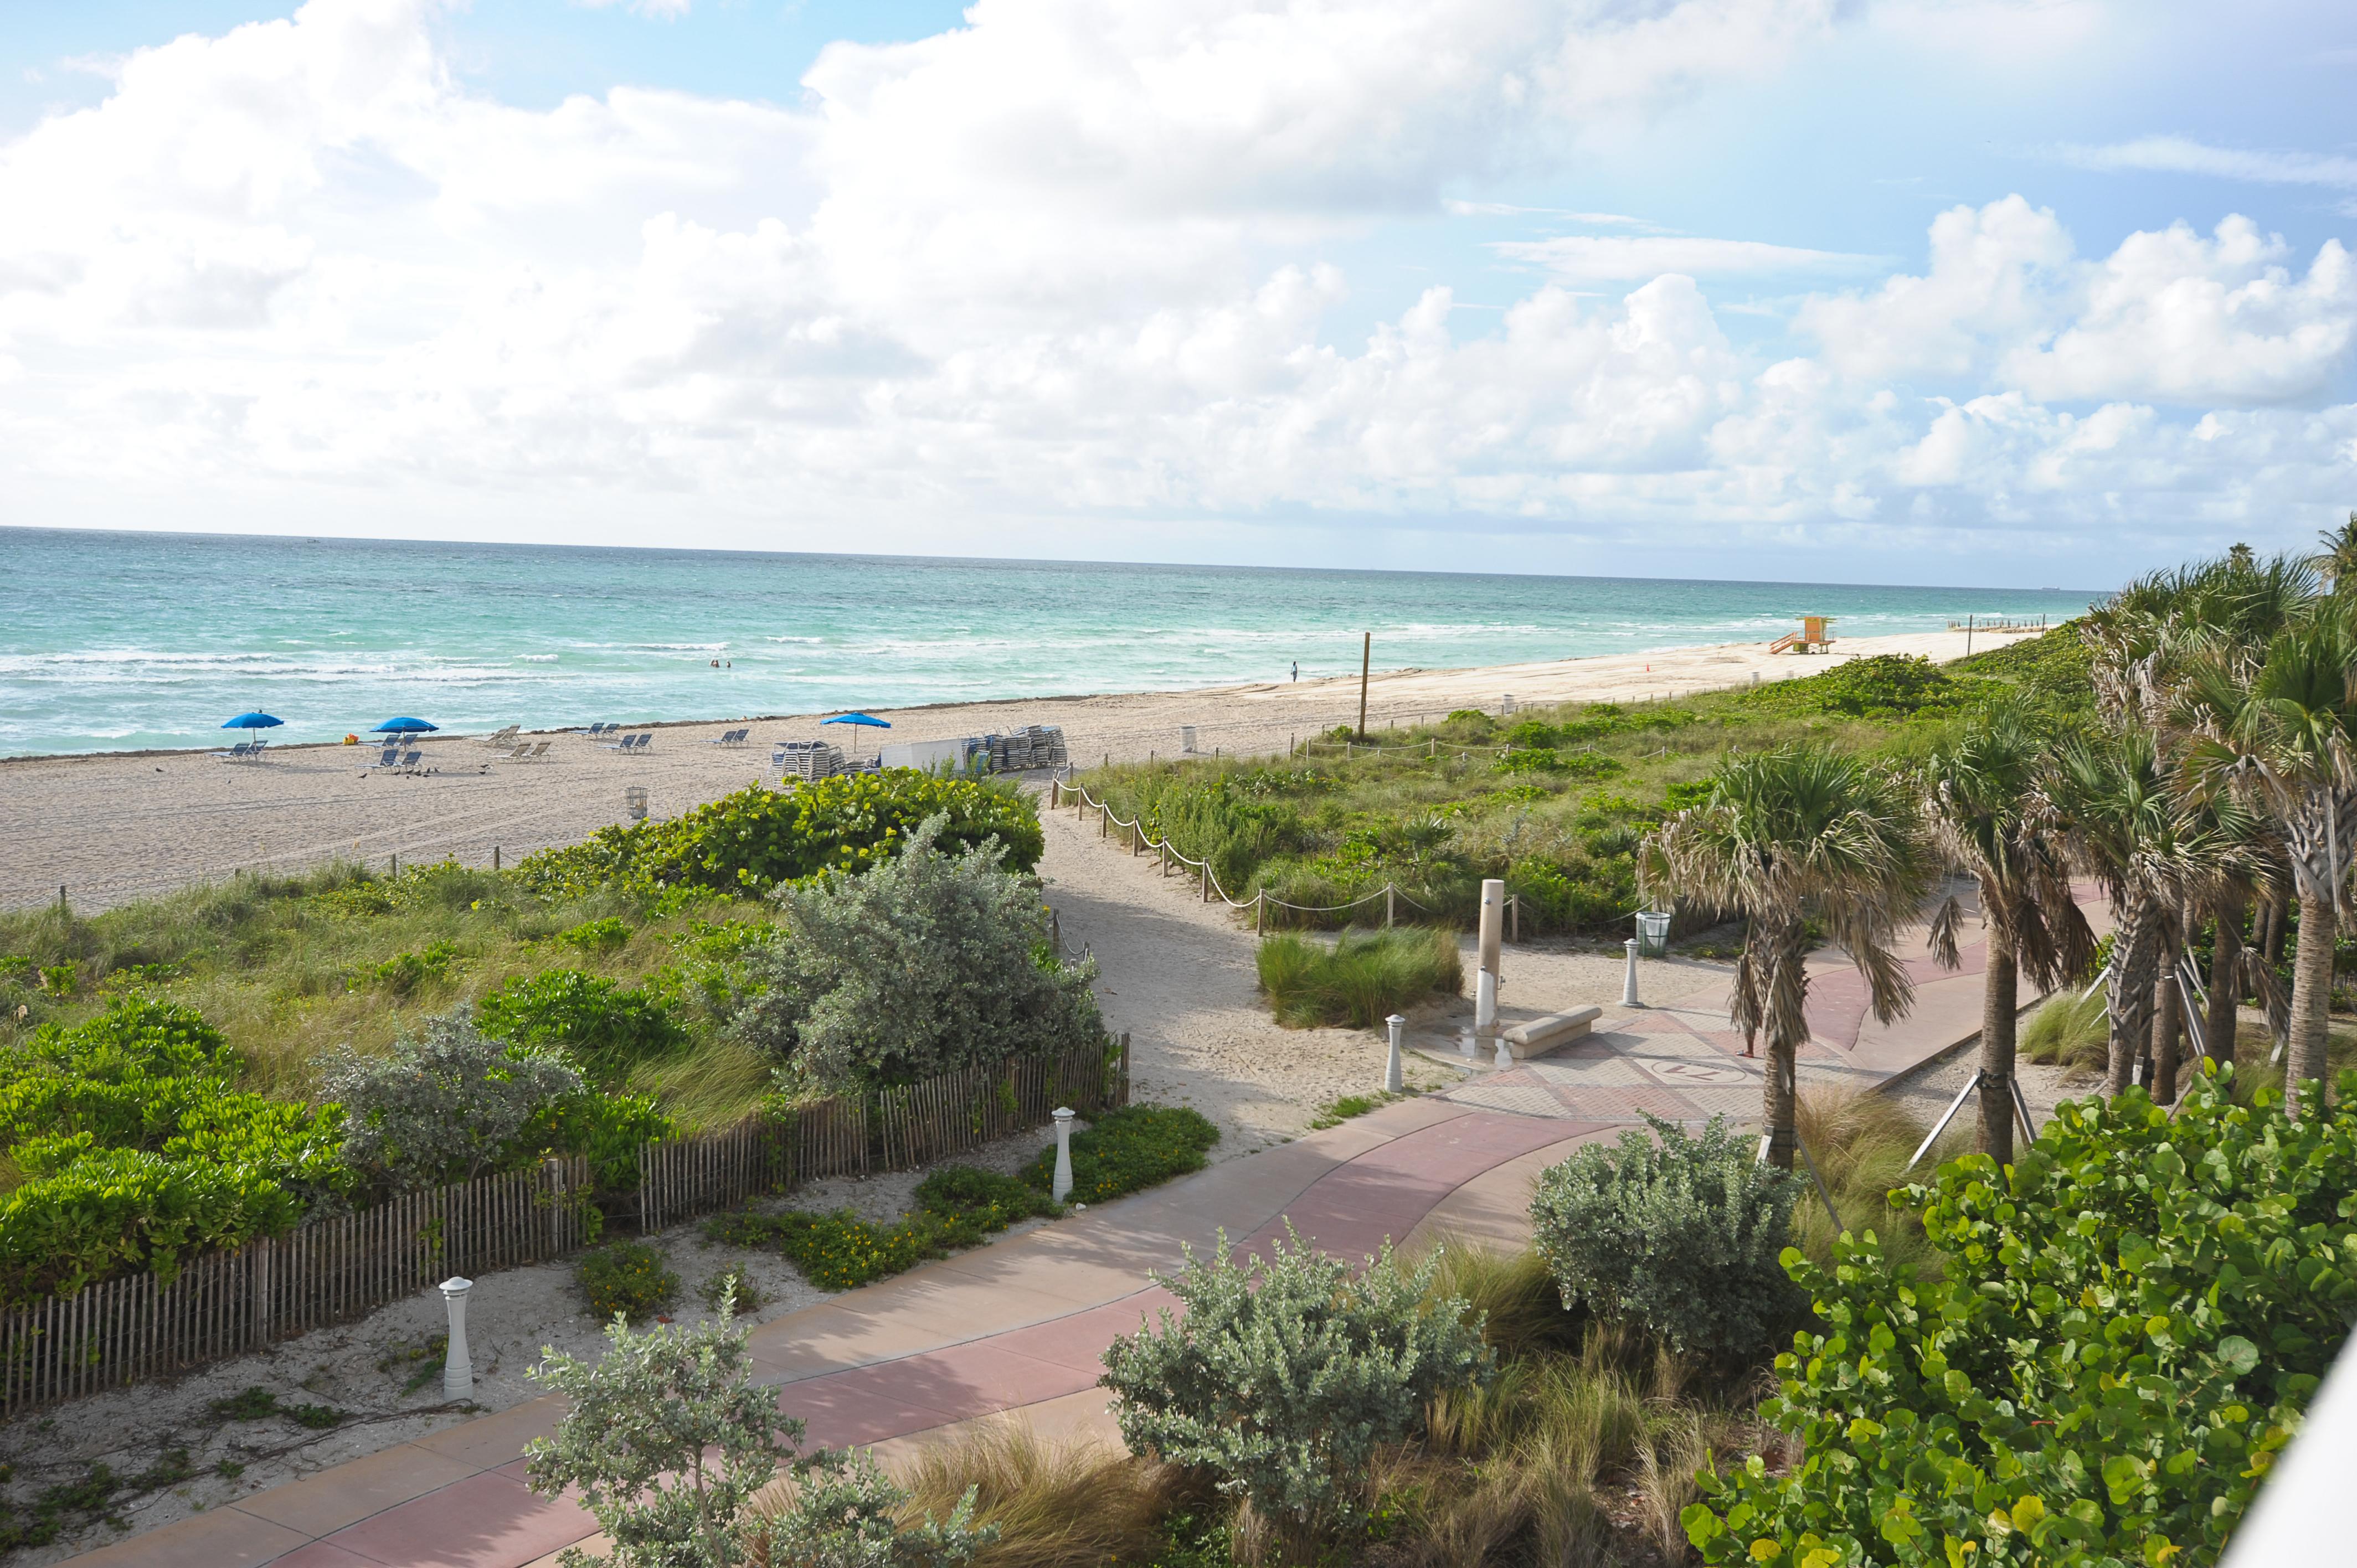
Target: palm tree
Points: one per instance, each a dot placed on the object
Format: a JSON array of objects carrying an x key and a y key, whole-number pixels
[
  {"x": 2283, "y": 733},
  {"x": 2113, "y": 804},
  {"x": 2338, "y": 559},
  {"x": 1786, "y": 836},
  {"x": 1980, "y": 803}
]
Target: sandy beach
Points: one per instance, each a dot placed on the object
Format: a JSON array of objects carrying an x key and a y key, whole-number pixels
[{"x": 111, "y": 828}]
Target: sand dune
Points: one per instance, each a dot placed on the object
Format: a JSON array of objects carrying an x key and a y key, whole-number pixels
[{"x": 111, "y": 828}]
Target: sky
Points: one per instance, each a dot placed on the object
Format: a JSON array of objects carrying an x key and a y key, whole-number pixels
[{"x": 2025, "y": 293}]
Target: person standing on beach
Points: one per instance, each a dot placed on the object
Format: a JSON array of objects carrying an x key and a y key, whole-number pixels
[{"x": 1296, "y": 670}]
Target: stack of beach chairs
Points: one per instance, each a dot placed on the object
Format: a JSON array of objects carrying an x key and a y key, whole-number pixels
[
  {"x": 1033, "y": 745},
  {"x": 810, "y": 760}
]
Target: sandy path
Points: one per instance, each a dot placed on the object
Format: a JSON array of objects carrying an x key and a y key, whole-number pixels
[{"x": 113, "y": 828}]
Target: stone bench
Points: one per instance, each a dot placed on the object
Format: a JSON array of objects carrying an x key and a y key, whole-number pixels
[{"x": 1540, "y": 1035}]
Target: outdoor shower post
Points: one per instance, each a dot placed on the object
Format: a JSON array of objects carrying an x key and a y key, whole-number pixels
[
  {"x": 1485, "y": 987},
  {"x": 1394, "y": 1073},
  {"x": 458, "y": 1366},
  {"x": 1629, "y": 985},
  {"x": 1061, "y": 1189}
]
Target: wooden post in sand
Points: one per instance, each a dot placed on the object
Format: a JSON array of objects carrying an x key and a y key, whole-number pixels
[
  {"x": 1366, "y": 661},
  {"x": 1260, "y": 913}
]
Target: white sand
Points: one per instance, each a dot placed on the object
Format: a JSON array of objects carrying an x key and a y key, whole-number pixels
[{"x": 111, "y": 828}]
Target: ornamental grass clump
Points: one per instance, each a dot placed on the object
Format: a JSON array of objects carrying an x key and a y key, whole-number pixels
[
  {"x": 667, "y": 1440},
  {"x": 1285, "y": 1376},
  {"x": 929, "y": 962},
  {"x": 1675, "y": 1236},
  {"x": 1360, "y": 980}
]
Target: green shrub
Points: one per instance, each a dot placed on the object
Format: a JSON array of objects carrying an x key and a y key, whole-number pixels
[
  {"x": 2132, "y": 1320},
  {"x": 957, "y": 1206},
  {"x": 846, "y": 1512},
  {"x": 666, "y": 1439},
  {"x": 138, "y": 1150},
  {"x": 1127, "y": 1149},
  {"x": 445, "y": 1106},
  {"x": 759, "y": 838},
  {"x": 1361, "y": 979},
  {"x": 729, "y": 1287},
  {"x": 1287, "y": 1373},
  {"x": 600, "y": 1027},
  {"x": 609, "y": 1128},
  {"x": 1884, "y": 686},
  {"x": 599, "y": 936},
  {"x": 625, "y": 1277},
  {"x": 405, "y": 972},
  {"x": 926, "y": 964},
  {"x": 1673, "y": 1235}
]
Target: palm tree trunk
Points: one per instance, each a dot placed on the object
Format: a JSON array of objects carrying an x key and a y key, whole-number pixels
[
  {"x": 2134, "y": 947},
  {"x": 1788, "y": 1025},
  {"x": 2000, "y": 989},
  {"x": 2311, "y": 992},
  {"x": 2225, "y": 990},
  {"x": 2167, "y": 1008},
  {"x": 2278, "y": 927}
]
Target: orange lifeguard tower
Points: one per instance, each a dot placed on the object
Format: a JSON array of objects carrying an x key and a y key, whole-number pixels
[{"x": 1816, "y": 635}]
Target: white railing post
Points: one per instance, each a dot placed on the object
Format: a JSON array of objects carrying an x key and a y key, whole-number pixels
[
  {"x": 1394, "y": 1075},
  {"x": 1629, "y": 981},
  {"x": 1061, "y": 1188},
  {"x": 458, "y": 1366}
]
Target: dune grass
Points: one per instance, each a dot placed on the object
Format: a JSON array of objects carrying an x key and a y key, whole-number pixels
[
  {"x": 1860, "y": 1142},
  {"x": 290, "y": 967},
  {"x": 2070, "y": 1029},
  {"x": 1360, "y": 980}
]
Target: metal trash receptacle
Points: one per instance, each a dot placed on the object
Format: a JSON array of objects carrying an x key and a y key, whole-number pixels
[
  {"x": 634, "y": 803},
  {"x": 1653, "y": 934}
]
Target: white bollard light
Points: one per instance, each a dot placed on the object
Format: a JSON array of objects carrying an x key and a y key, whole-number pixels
[
  {"x": 1395, "y": 1070},
  {"x": 1629, "y": 985},
  {"x": 458, "y": 1367},
  {"x": 1061, "y": 1189},
  {"x": 1485, "y": 1005}
]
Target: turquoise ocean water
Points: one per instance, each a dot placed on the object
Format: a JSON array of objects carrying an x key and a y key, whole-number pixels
[{"x": 115, "y": 641}]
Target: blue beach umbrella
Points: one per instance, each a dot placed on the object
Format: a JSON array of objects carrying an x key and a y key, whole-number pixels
[
  {"x": 403, "y": 726},
  {"x": 256, "y": 720},
  {"x": 869, "y": 720}
]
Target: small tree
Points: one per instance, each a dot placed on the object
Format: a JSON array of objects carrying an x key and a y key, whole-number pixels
[
  {"x": 846, "y": 1514},
  {"x": 1287, "y": 1373},
  {"x": 1679, "y": 1236},
  {"x": 441, "y": 1107},
  {"x": 667, "y": 1440},
  {"x": 924, "y": 964}
]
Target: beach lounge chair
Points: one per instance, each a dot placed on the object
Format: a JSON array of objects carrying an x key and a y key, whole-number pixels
[
  {"x": 237, "y": 753},
  {"x": 597, "y": 730},
  {"x": 411, "y": 759},
  {"x": 621, "y": 744},
  {"x": 646, "y": 739},
  {"x": 732, "y": 739},
  {"x": 502, "y": 737},
  {"x": 531, "y": 751}
]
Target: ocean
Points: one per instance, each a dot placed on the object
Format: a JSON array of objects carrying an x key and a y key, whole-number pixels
[{"x": 120, "y": 641}]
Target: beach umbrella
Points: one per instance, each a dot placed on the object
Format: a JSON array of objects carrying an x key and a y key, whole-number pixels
[
  {"x": 868, "y": 720},
  {"x": 403, "y": 726},
  {"x": 256, "y": 720}
]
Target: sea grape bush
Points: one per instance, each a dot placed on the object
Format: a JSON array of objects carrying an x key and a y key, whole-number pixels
[
  {"x": 136, "y": 1150},
  {"x": 757, "y": 838},
  {"x": 1678, "y": 1236},
  {"x": 2131, "y": 1320},
  {"x": 603, "y": 1029},
  {"x": 929, "y": 962},
  {"x": 625, "y": 1279},
  {"x": 1287, "y": 1373},
  {"x": 445, "y": 1106}
]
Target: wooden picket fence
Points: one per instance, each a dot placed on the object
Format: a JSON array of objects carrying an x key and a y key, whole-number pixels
[
  {"x": 342, "y": 1267},
  {"x": 892, "y": 1130},
  {"x": 332, "y": 1270}
]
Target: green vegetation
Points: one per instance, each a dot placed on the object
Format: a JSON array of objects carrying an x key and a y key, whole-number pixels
[
  {"x": 758, "y": 839},
  {"x": 1128, "y": 1150},
  {"x": 956, "y": 1205},
  {"x": 1360, "y": 980},
  {"x": 2131, "y": 1319},
  {"x": 626, "y": 1278},
  {"x": 1434, "y": 808}
]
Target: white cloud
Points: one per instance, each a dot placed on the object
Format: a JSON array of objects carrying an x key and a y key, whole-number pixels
[
  {"x": 2181, "y": 154},
  {"x": 1612, "y": 258},
  {"x": 1068, "y": 261}
]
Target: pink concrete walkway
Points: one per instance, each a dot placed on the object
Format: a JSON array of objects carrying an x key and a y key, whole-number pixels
[{"x": 1015, "y": 1325}]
